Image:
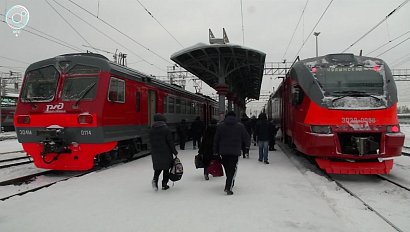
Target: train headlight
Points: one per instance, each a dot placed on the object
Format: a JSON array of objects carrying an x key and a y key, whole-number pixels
[
  {"x": 23, "y": 119},
  {"x": 321, "y": 129},
  {"x": 393, "y": 129},
  {"x": 85, "y": 119}
]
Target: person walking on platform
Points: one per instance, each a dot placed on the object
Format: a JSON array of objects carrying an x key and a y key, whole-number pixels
[
  {"x": 263, "y": 131},
  {"x": 197, "y": 129},
  {"x": 162, "y": 150},
  {"x": 182, "y": 131},
  {"x": 229, "y": 139},
  {"x": 206, "y": 149},
  {"x": 253, "y": 126},
  {"x": 247, "y": 123},
  {"x": 272, "y": 136}
]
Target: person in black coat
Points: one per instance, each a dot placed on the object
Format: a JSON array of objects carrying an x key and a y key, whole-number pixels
[
  {"x": 182, "y": 131},
  {"x": 206, "y": 149},
  {"x": 162, "y": 150},
  {"x": 197, "y": 129},
  {"x": 229, "y": 139},
  {"x": 247, "y": 123},
  {"x": 263, "y": 134}
]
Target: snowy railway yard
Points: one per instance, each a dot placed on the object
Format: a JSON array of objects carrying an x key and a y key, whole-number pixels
[{"x": 289, "y": 194}]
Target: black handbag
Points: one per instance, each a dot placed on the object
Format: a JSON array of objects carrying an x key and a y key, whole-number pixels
[{"x": 199, "y": 162}]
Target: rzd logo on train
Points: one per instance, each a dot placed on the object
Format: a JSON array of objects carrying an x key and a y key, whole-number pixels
[{"x": 55, "y": 108}]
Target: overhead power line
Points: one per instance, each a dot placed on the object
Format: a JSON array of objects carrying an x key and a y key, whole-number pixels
[
  {"x": 313, "y": 29},
  {"x": 377, "y": 25},
  {"x": 106, "y": 35},
  {"x": 159, "y": 23},
  {"x": 294, "y": 31},
  {"x": 393, "y": 47},
  {"x": 387, "y": 43},
  {"x": 69, "y": 24},
  {"x": 122, "y": 33}
]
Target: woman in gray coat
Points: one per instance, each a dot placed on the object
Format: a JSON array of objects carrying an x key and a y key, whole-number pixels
[{"x": 162, "y": 150}]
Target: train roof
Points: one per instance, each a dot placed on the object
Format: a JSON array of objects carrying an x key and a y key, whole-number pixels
[
  {"x": 66, "y": 62},
  {"x": 341, "y": 59}
]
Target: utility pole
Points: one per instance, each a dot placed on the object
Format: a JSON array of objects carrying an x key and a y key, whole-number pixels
[{"x": 316, "y": 34}]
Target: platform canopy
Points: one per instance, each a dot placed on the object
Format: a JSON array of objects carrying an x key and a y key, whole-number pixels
[{"x": 240, "y": 68}]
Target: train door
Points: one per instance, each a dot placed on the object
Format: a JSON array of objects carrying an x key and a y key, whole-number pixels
[{"x": 152, "y": 106}]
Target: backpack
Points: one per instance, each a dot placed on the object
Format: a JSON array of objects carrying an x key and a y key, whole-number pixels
[{"x": 176, "y": 171}]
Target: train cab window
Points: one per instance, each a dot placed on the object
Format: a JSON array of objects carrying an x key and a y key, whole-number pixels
[
  {"x": 183, "y": 107},
  {"x": 178, "y": 106},
  {"x": 76, "y": 88},
  {"x": 40, "y": 85},
  {"x": 165, "y": 104},
  {"x": 297, "y": 95},
  {"x": 171, "y": 105},
  {"x": 138, "y": 101},
  {"x": 116, "y": 91}
]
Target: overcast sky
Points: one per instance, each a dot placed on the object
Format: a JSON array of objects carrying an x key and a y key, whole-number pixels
[{"x": 268, "y": 26}]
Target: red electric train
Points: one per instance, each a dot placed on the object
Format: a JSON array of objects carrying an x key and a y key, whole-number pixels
[
  {"x": 76, "y": 109},
  {"x": 340, "y": 109}
]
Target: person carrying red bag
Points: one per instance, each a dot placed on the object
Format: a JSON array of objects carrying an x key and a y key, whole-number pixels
[{"x": 229, "y": 138}]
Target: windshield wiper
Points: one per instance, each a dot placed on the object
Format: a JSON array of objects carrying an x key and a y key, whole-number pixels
[
  {"x": 86, "y": 90},
  {"x": 353, "y": 93}
]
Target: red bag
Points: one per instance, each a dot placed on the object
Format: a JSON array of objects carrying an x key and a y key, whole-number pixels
[{"x": 215, "y": 168}]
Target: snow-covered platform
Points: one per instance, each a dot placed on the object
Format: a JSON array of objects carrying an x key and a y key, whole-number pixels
[{"x": 267, "y": 197}]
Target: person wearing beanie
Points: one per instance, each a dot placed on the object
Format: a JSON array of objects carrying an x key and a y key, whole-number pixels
[
  {"x": 229, "y": 138},
  {"x": 162, "y": 150}
]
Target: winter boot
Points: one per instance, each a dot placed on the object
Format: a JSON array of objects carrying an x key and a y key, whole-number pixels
[{"x": 155, "y": 185}]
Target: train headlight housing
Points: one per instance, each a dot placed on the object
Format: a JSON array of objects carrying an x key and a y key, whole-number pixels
[
  {"x": 85, "y": 119},
  {"x": 393, "y": 129},
  {"x": 321, "y": 129},
  {"x": 23, "y": 119}
]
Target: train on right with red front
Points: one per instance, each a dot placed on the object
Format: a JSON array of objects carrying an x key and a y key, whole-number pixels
[{"x": 341, "y": 110}]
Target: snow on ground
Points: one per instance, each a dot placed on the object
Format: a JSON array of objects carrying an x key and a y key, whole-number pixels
[{"x": 274, "y": 197}]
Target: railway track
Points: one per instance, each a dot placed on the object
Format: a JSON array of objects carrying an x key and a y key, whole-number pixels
[
  {"x": 6, "y": 160},
  {"x": 31, "y": 178},
  {"x": 383, "y": 185}
]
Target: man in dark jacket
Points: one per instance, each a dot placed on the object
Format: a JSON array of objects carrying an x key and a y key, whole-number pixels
[
  {"x": 247, "y": 123},
  {"x": 228, "y": 141},
  {"x": 162, "y": 150},
  {"x": 263, "y": 134},
  {"x": 197, "y": 129},
  {"x": 182, "y": 131}
]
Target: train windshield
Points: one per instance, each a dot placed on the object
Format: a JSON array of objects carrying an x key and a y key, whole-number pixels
[
  {"x": 350, "y": 80},
  {"x": 76, "y": 88},
  {"x": 40, "y": 85}
]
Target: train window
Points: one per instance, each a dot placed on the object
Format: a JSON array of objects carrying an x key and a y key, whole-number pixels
[
  {"x": 138, "y": 101},
  {"x": 297, "y": 95},
  {"x": 171, "y": 105},
  {"x": 116, "y": 92},
  {"x": 83, "y": 69},
  {"x": 40, "y": 85},
  {"x": 183, "y": 107},
  {"x": 165, "y": 104},
  {"x": 76, "y": 88},
  {"x": 178, "y": 106}
]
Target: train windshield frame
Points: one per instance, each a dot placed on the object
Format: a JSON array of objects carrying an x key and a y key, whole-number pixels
[
  {"x": 350, "y": 80},
  {"x": 40, "y": 85}
]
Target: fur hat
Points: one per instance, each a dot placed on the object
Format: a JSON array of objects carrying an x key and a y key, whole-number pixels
[{"x": 159, "y": 117}]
